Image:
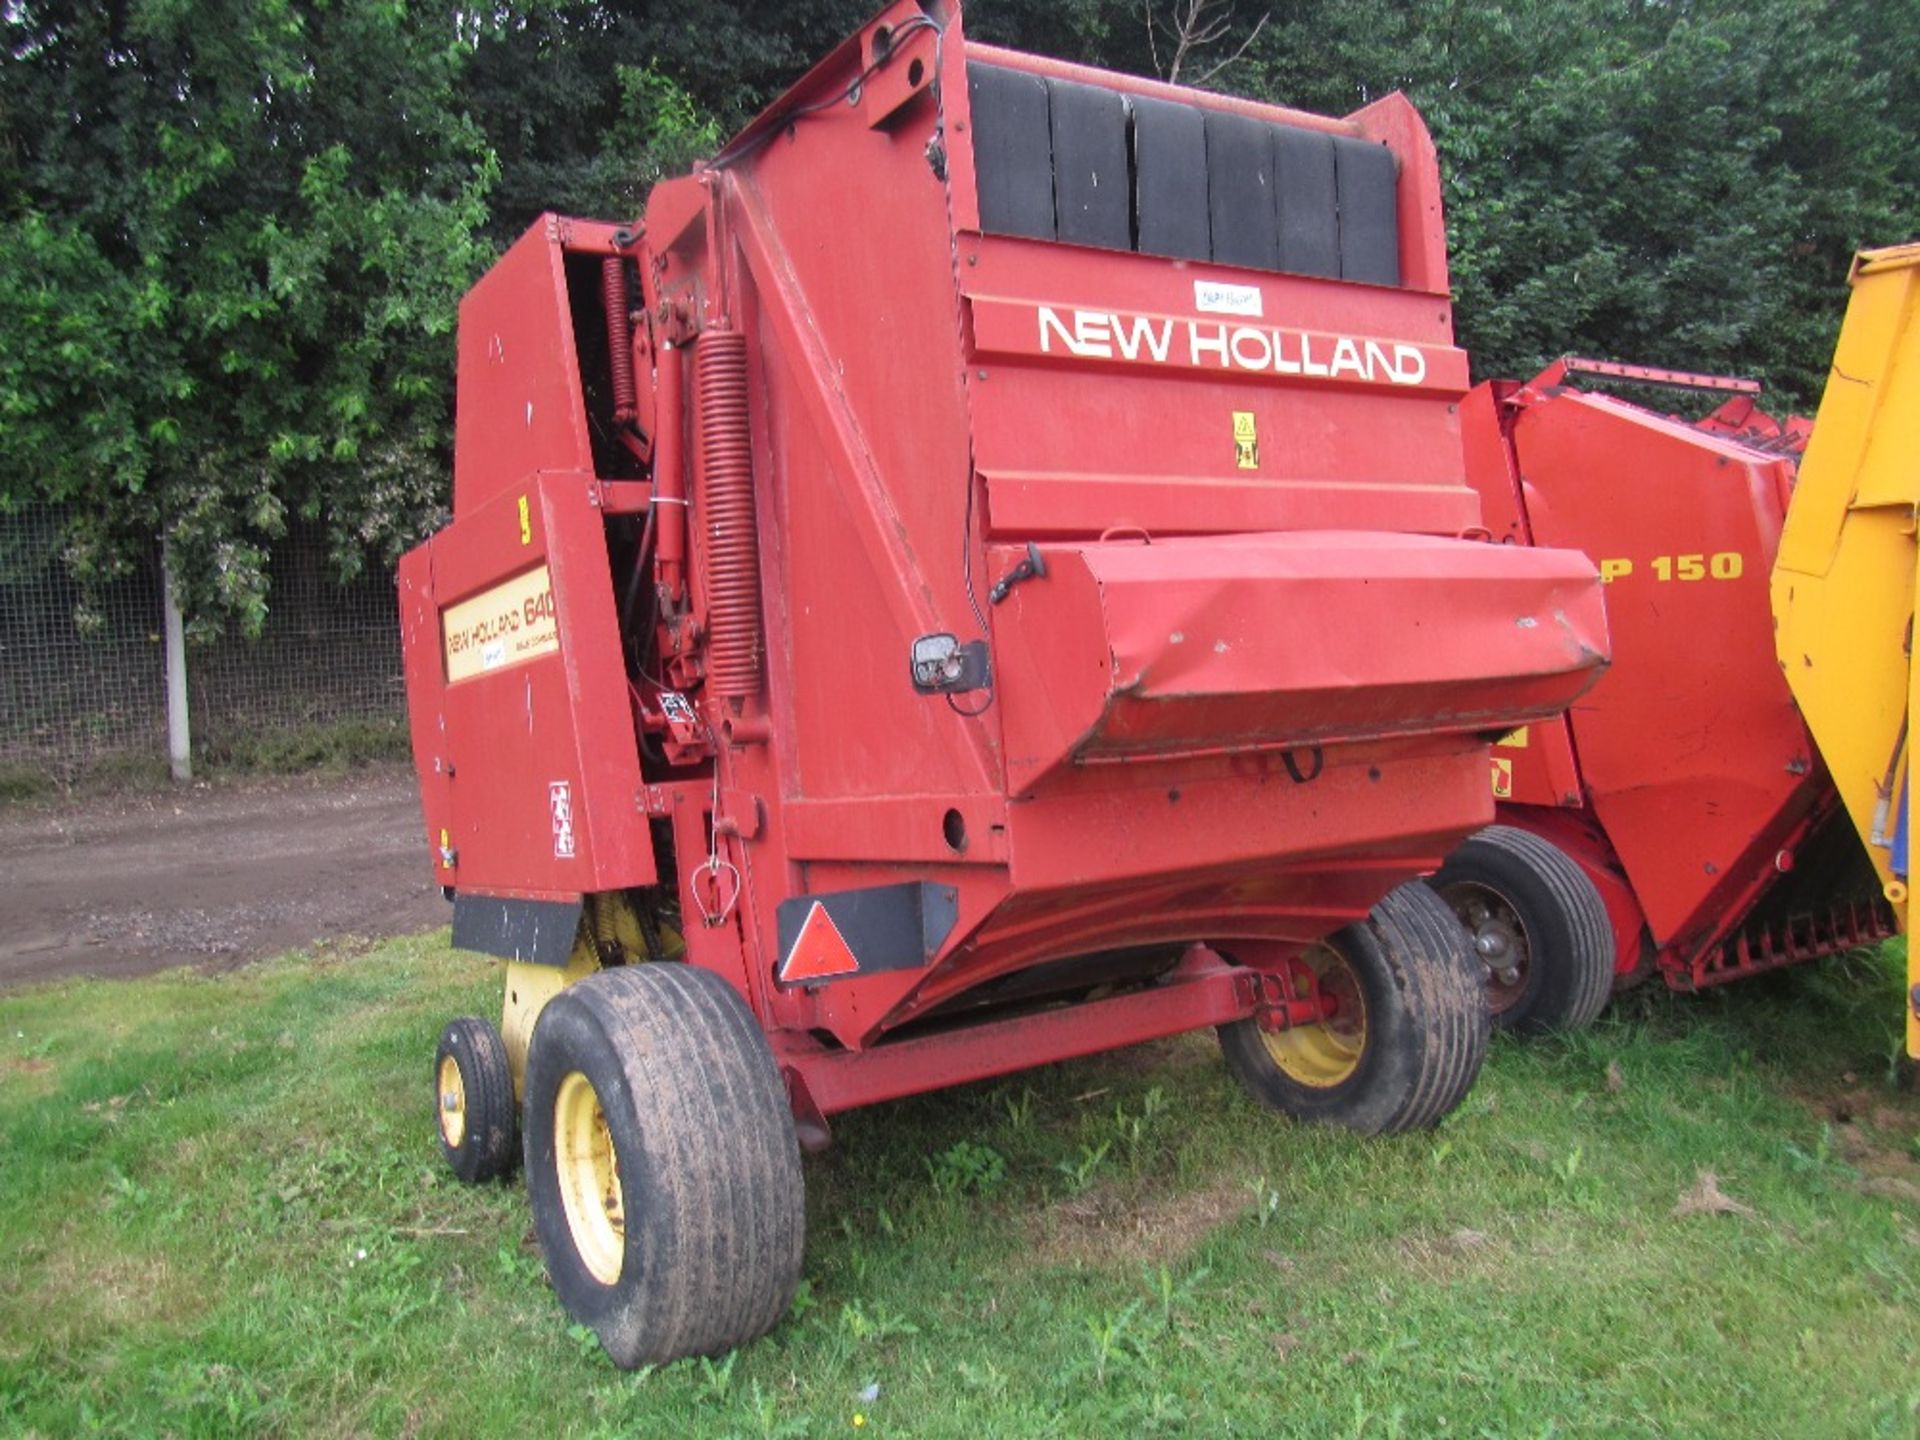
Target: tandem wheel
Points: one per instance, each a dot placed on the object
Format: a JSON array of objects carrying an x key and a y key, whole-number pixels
[
  {"x": 1408, "y": 1028},
  {"x": 662, "y": 1164},
  {"x": 1538, "y": 926}
]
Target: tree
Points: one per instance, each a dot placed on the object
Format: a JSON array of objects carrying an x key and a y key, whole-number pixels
[
  {"x": 234, "y": 233},
  {"x": 1675, "y": 184},
  {"x": 1679, "y": 182},
  {"x": 586, "y": 103},
  {"x": 233, "y": 237}
]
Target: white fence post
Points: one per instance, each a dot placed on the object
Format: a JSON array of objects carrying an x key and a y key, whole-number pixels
[{"x": 179, "y": 733}]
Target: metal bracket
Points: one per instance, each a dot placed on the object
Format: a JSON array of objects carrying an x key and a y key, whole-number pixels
[
  {"x": 1276, "y": 1009},
  {"x": 1033, "y": 567}
]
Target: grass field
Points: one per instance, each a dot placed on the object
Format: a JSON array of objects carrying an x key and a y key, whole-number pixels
[{"x": 222, "y": 1213}]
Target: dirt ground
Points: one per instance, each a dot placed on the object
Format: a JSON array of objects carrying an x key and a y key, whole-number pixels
[{"x": 211, "y": 875}]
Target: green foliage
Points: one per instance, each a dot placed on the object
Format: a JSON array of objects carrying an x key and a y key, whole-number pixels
[
  {"x": 966, "y": 1169},
  {"x": 587, "y": 106},
  {"x": 229, "y": 288},
  {"x": 1677, "y": 184},
  {"x": 233, "y": 233},
  {"x": 329, "y": 747}
]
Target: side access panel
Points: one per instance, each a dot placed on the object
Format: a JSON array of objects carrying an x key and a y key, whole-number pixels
[{"x": 522, "y": 728}]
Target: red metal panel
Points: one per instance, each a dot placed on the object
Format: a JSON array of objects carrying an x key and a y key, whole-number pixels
[
  {"x": 519, "y": 406},
  {"x": 1535, "y": 764},
  {"x": 1223, "y": 846},
  {"x": 1694, "y": 757},
  {"x": 536, "y": 768},
  {"x": 426, "y": 714},
  {"x": 1158, "y": 388},
  {"x": 1190, "y": 652},
  {"x": 1204, "y": 991}
]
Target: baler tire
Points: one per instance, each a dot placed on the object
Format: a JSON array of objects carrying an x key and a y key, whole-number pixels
[
  {"x": 1425, "y": 1030},
  {"x": 1570, "y": 942},
  {"x": 696, "y": 1244},
  {"x": 480, "y": 1142}
]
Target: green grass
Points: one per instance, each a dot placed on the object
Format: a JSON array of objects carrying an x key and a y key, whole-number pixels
[
  {"x": 20, "y": 782},
  {"x": 222, "y": 1212},
  {"x": 331, "y": 748}
]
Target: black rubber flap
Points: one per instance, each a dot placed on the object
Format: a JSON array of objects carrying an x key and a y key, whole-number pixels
[
  {"x": 539, "y": 931},
  {"x": 1012, "y": 151},
  {"x": 1369, "y": 187},
  {"x": 1170, "y": 179},
  {"x": 1090, "y": 185},
  {"x": 1240, "y": 190},
  {"x": 1303, "y": 185}
]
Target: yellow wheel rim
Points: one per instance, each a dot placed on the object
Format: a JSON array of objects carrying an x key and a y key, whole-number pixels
[
  {"x": 453, "y": 1103},
  {"x": 1327, "y": 1052},
  {"x": 589, "y": 1178}
]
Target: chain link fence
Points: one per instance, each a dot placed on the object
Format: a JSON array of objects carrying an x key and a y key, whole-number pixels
[{"x": 83, "y": 690}]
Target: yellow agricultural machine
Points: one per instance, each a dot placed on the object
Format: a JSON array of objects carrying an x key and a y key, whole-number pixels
[{"x": 1845, "y": 577}]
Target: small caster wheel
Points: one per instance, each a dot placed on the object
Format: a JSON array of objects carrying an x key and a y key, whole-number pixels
[{"x": 473, "y": 1101}]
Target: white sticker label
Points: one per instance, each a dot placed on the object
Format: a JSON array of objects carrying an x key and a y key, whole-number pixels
[
  {"x": 1216, "y": 297},
  {"x": 560, "y": 802}
]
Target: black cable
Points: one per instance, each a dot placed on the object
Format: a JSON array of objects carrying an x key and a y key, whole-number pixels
[{"x": 913, "y": 25}]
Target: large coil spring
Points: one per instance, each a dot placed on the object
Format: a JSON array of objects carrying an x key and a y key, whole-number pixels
[
  {"x": 613, "y": 301},
  {"x": 726, "y": 502}
]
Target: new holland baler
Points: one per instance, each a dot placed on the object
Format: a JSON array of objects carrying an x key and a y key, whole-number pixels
[
  {"x": 1679, "y": 819},
  {"x": 975, "y": 576}
]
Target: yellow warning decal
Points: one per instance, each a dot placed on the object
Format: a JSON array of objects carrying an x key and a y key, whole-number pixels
[
  {"x": 526, "y": 523},
  {"x": 1502, "y": 779},
  {"x": 508, "y": 625},
  {"x": 1246, "y": 441},
  {"x": 1514, "y": 739}
]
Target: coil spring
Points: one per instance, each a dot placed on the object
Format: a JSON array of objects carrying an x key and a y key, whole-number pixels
[
  {"x": 726, "y": 502},
  {"x": 613, "y": 299}
]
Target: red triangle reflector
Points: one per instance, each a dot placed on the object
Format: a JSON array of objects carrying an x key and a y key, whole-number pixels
[{"x": 819, "y": 950}]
